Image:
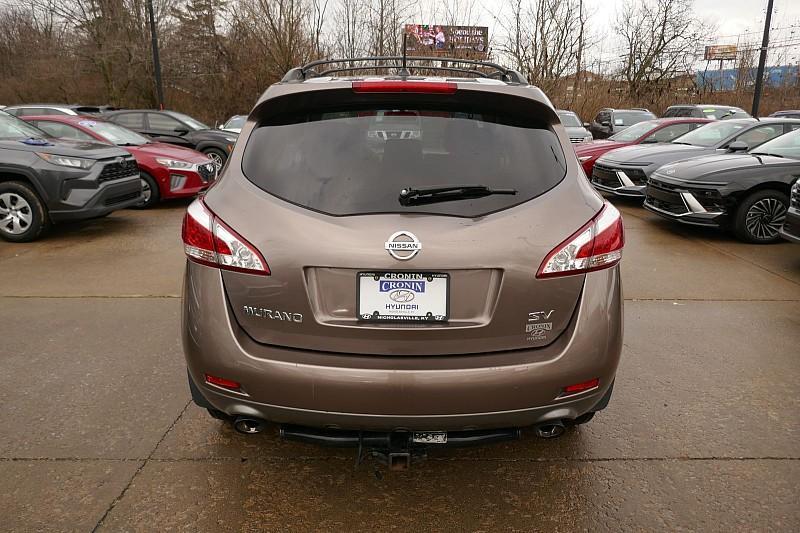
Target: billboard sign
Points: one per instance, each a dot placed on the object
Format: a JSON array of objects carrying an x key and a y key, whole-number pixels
[
  {"x": 720, "y": 52},
  {"x": 436, "y": 39}
]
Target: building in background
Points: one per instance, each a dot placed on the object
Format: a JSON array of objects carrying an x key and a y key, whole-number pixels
[{"x": 733, "y": 78}]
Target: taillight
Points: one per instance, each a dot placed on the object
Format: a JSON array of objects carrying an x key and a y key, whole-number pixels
[
  {"x": 209, "y": 241},
  {"x": 397, "y": 86},
  {"x": 596, "y": 245}
]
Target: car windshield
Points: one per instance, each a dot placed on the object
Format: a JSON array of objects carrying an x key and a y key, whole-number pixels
[
  {"x": 189, "y": 121},
  {"x": 570, "y": 120},
  {"x": 718, "y": 113},
  {"x": 711, "y": 134},
  {"x": 357, "y": 161},
  {"x": 629, "y": 118},
  {"x": 236, "y": 122},
  {"x": 114, "y": 133},
  {"x": 16, "y": 129},
  {"x": 784, "y": 146},
  {"x": 634, "y": 132}
]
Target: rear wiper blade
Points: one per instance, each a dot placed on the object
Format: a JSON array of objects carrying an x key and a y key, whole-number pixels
[{"x": 432, "y": 195}]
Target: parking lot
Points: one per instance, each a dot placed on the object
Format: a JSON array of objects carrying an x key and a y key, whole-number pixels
[{"x": 98, "y": 431}]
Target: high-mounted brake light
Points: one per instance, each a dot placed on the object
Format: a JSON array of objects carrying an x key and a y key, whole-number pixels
[
  {"x": 398, "y": 86},
  {"x": 595, "y": 246},
  {"x": 209, "y": 241}
]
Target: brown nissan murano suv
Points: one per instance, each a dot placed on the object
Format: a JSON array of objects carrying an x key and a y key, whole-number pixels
[{"x": 402, "y": 255}]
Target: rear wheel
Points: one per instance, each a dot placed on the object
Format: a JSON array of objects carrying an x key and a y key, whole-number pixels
[
  {"x": 760, "y": 216},
  {"x": 22, "y": 215},
  {"x": 150, "y": 191}
]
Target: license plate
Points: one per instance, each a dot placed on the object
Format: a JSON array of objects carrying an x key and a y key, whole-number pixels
[
  {"x": 403, "y": 296},
  {"x": 429, "y": 437}
]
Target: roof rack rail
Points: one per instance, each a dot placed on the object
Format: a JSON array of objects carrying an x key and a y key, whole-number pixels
[{"x": 402, "y": 64}]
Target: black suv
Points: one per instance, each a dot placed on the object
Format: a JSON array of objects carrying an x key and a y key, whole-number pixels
[
  {"x": 44, "y": 180},
  {"x": 712, "y": 111},
  {"x": 177, "y": 128},
  {"x": 609, "y": 121}
]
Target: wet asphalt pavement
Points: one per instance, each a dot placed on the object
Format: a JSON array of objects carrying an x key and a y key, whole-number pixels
[{"x": 97, "y": 432}]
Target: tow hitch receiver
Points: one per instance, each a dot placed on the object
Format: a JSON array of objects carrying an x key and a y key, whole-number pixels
[{"x": 397, "y": 449}]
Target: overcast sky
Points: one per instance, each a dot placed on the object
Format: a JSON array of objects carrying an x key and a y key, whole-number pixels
[{"x": 731, "y": 18}]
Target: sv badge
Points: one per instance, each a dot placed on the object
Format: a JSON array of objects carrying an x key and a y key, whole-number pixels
[{"x": 538, "y": 316}]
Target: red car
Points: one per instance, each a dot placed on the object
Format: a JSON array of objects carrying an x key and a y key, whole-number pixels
[
  {"x": 166, "y": 170},
  {"x": 659, "y": 130}
]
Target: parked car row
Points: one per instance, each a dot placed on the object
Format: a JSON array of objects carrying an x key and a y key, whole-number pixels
[
  {"x": 165, "y": 170},
  {"x": 162, "y": 126},
  {"x": 67, "y": 166},
  {"x": 716, "y": 170},
  {"x": 45, "y": 180}
]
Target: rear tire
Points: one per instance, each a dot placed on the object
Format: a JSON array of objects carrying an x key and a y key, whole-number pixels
[
  {"x": 23, "y": 216},
  {"x": 760, "y": 216},
  {"x": 150, "y": 190}
]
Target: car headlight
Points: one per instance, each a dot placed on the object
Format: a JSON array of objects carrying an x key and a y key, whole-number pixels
[
  {"x": 64, "y": 161},
  {"x": 588, "y": 138},
  {"x": 175, "y": 164},
  {"x": 584, "y": 158}
]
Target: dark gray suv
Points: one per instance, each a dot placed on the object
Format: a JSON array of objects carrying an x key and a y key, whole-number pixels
[{"x": 44, "y": 180}]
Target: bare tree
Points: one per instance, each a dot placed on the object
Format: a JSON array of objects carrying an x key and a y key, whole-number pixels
[
  {"x": 659, "y": 39},
  {"x": 544, "y": 39},
  {"x": 385, "y": 20},
  {"x": 349, "y": 35},
  {"x": 280, "y": 27}
]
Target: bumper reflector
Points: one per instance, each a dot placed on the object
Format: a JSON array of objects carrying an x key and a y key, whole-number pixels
[
  {"x": 581, "y": 387},
  {"x": 222, "y": 382}
]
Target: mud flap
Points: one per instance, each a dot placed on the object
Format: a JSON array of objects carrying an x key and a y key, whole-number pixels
[
  {"x": 197, "y": 396},
  {"x": 603, "y": 403}
]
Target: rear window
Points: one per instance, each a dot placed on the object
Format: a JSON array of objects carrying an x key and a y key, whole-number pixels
[
  {"x": 357, "y": 161},
  {"x": 570, "y": 120}
]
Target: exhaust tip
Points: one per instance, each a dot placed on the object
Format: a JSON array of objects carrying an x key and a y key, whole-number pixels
[
  {"x": 248, "y": 426},
  {"x": 550, "y": 430}
]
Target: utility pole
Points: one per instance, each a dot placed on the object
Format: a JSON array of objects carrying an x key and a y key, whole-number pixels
[
  {"x": 156, "y": 61},
  {"x": 762, "y": 59}
]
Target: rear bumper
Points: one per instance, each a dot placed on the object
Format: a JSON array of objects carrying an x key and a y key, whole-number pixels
[
  {"x": 505, "y": 389},
  {"x": 791, "y": 228}
]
